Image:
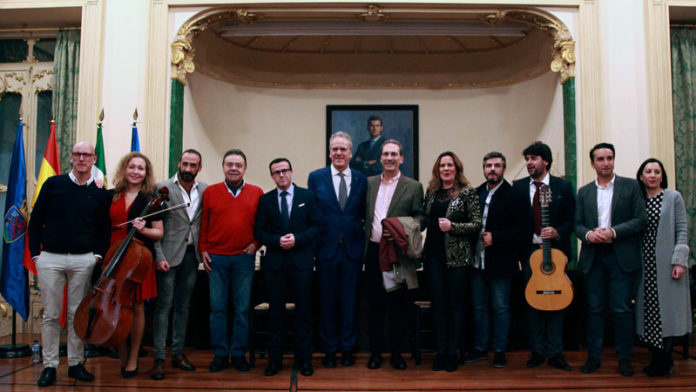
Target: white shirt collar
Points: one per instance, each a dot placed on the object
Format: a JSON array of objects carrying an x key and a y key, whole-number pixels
[
  {"x": 290, "y": 190},
  {"x": 74, "y": 179},
  {"x": 393, "y": 180},
  {"x": 545, "y": 180},
  {"x": 335, "y": 171},
  {"x": 610, "y": 184},
  {"x": 176, "y": 181}
]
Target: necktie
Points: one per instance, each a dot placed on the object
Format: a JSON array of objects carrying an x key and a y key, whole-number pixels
[
  {"x": 342, "y": 191},
  {"x": 284, "y": 207},
  {"x": 536, "y": 209}
]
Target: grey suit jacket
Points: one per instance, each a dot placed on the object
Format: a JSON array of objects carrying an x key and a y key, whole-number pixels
[
  {"x": 628, "y": 219},
  {"x": 407, "y": 201},
  {"x": 177, "y": 225}
]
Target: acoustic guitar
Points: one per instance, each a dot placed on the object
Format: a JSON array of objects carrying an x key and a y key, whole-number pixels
[{"x": 549, "y": 287}]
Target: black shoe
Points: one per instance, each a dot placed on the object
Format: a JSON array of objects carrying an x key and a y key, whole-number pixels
[
  {"x": 329, "y": 360},
  {"x": 220, "y": 363},
  {"x": 591, "y": 365},
  {"x": 240, "y": 363},
  {"x": 305, "y": 367},
  {"x": 397, "y": 361},
  {"x": 180, "y": 361},
  {"x": 499, "y": 360},
  {"x": 47, "y": 377},
  {"x": 157, "y": 371},
  {"x": 625, "y": 367},
  {"x": 451, "y": 363},
  {"x": 559, "y": 362},
  {"x": 439, "y": 363},
  {"x": 347, "y": 359},
  {"x": 536, "y": 360},
  {"x": 475, "y": 355},
  {"x": 375, "y": 361},
  {"x": 129, "y": 373},
  {"x": 79, "y": 372},
  {"x": 661, "y": 365},
  {"x": 273, "y": 368}
]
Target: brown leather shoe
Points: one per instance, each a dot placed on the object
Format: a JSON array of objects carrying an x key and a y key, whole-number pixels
[
  {"x": 181, "y": 362},
  {"x": 157, "y": 371}
]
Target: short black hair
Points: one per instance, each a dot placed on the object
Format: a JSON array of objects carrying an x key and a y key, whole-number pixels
[
  {"x": 602, "y": 145},
  {"x": 234, "y": 151},
  {"x": 192, "y": 151},
  {"x": 374, "y": 118},
  {"x": 278, "y": 160},
  {"x": 539, "y": 149},
  {"x": 494, "y": 154}
]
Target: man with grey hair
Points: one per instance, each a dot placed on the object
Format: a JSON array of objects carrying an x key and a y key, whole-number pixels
[
  {"x": 68, "y": 234},
  {"x": 340, "y": 194}
]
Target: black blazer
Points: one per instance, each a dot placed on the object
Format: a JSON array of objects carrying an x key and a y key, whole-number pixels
[
  {"x": 305, "y": 222},
  {"x": 507, "y": 223},
  {"x": 628, "y": 219},
  {"x": 561, "y": 211}
]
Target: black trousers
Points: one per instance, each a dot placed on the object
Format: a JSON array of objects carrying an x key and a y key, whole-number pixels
[
  {"x": 280, "y": 283},
  {"x": 448, "y": 292},
  {"x": 394, "y": 305}
]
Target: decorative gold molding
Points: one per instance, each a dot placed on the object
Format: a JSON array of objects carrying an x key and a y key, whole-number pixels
[
  {"x": 182, "y": 48},
  {"x": 42, "y": 80},
  {"x": 563, "y": 45}
]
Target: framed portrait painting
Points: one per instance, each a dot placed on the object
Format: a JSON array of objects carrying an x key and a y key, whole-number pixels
[{"x": 369, "y": 126}]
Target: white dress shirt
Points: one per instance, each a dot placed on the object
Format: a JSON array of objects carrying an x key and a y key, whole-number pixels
[
  {"x": 337, "y": 179},
  {"x": 382, "y": 202},
  {"x": 479, "y": 260},
  {"x": 532, "y": 191},
  {"x": 192, "y": 200},
  {"x": 288, "y": 198}
]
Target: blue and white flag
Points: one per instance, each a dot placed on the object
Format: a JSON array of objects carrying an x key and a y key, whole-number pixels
[{"x": 135, "y": 143}]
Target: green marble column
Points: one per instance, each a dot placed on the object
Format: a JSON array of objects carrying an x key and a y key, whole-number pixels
[
  {"x": 176, "y": 126},
  {"x": 570, "y": 150}
]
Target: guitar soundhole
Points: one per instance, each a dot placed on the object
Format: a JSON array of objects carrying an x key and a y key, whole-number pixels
[{"x": 548, "y": 268}]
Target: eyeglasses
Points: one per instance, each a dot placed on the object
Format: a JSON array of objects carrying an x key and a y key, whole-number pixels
[
  {"x": 281, "y": 171},
  {"x": 84, "y": 155}
]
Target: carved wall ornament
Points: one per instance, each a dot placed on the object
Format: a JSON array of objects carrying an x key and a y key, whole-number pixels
[
  {"x": 373, "y": 14},
  {"x": 563, "y": 53},
  {"x": 12, "y": 82},
  {"x": 182, "y": 48},
  {"x": 42, "y": 80}
]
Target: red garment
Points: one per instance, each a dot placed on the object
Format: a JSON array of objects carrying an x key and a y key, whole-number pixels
[
  {"x": 227, "y": 222},
  {"x": 389, "y": 247},
  {"x": 119, "y": 214}
]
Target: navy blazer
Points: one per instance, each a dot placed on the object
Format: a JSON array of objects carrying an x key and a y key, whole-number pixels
[
  {"x": 304, "y": 224},
  {"x": 628, "y": 219},
  {"x": 507, "y": 224},
  {"x": 561, "y": 211},
  {"x": 339, "y": 226}
]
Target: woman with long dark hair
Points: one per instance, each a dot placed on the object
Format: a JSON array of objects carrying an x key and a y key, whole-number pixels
[
  {"x": 454, "y": 222},
  {"x": 663, "y": 307}
]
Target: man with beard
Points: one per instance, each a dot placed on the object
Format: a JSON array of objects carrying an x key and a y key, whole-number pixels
[
  {"x": 177, "y": 260},
  {"x": 545, "y": 327},
  {"x": 388, "y": 195},
  {"x": 496, "y": 259}
]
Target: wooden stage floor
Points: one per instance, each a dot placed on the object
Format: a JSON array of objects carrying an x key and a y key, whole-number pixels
[{"x": 21, "y": 375}]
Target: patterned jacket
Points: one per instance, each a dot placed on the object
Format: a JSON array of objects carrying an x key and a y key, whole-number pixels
[{"x": 464, "y": 212}]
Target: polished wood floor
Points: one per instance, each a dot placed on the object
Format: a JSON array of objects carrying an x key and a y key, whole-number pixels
[{"x": 21, "y": 374}]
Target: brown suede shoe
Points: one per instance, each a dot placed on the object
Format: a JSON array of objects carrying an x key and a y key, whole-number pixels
[
  {"x": 181, "y": 362},
  {"x": 157, "y": 371}
]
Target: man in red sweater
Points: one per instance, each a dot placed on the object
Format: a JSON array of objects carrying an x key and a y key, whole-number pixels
[{"x": 228, "y": 251}]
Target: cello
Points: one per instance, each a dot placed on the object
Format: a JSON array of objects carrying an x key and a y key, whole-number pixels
[{"x": 105, "y": 315}]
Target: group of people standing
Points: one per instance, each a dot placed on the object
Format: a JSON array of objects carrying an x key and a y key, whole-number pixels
[{"x": 477, "y": 239}]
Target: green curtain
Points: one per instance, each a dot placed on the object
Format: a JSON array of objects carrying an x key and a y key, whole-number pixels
[
  {"x": 683, "y": 42},
  {"x": 65, "y": 78}
]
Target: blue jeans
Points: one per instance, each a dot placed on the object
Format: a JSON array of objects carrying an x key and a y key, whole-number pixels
[
  {"x": 174, "y": 289},
  {"x": 483, "y": 288},
  {"x": 236, "y": 273},
  {"x": 607, "y": 282}
]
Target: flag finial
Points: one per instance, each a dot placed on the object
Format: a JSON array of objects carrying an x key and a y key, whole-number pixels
[
  {"x": 101, "y": 115},
  {"x": 135, "y": 115}
]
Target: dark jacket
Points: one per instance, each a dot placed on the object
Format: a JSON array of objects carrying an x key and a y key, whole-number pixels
[{"x": 507, "y": 224}]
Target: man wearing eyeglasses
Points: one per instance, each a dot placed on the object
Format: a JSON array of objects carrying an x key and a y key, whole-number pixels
[
  {"x": 68, "y": 234},
  {"x": 287, "y": 222}
]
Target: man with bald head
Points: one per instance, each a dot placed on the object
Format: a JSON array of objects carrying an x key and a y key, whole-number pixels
[{"x": 68, "y": 234}]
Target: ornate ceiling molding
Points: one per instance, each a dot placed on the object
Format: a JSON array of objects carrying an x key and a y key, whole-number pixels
[
  {"x": 12, "y": 82},
  {"x": 562, "y": 55}
]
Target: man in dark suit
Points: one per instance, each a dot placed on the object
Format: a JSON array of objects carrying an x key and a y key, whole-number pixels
[
  {"x": 609, "y": 219},
  {"x": 177, "y": 260},
  {"x": 546, "y": 328},
  {"x": 287, "y": 222},
  {"x": 340, "y": 194},
  {"x": 367, "y": 156},
  {"x": 388, "y": 195},
  {"x": 496, "y": 259}
]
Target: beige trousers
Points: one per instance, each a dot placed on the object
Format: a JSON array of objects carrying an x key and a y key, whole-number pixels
[{"x": 54, "y": 269}]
